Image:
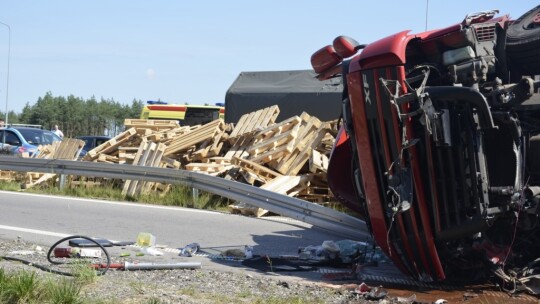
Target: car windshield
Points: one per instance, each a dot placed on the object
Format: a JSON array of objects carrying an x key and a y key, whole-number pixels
[{"x": 38, "y": 136}]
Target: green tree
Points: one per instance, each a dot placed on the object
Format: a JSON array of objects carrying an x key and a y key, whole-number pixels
[{"x": 76, "y": 116}]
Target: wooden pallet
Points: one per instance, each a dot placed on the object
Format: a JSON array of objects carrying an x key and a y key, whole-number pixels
[
  {"x": 274, "y": 137},
  {"x": 68, "y": 148},
  {"x": 170, "y": 163},
  {"x": 151, "y": 124},
  {"x": 254, "y": 121},
  {"x": 196, "y": 136},
  {"x": 303, "y": 156},
  {"x": 167, "y": 135},
  {"x": 253, "y": 171},
  {"x": 211, "y": 147},
  {"x": 318, "y": 162},
  {"x": 149, "y": 154},
  {"x": 256, "y": 150},
  {"x": 309, "y": 137},
  {"x": 210, "y": 168},
  {"x": 126, "y": 155},
  {"x": 112, "y": 144},
  {"x": 6, "y": 175},
  {"x": 238, "y": 149}
]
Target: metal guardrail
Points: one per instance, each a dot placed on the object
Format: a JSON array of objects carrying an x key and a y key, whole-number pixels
[{"x": 316, "y": 215}]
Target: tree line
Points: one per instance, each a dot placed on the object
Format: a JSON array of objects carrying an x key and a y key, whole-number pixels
[{"x": 76, "y": 116}]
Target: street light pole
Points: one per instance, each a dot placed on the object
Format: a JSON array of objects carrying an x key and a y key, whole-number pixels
[{"x": 7, "y": 75}]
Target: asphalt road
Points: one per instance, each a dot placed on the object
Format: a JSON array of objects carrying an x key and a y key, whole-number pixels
[{"x": 44, "y": 220}]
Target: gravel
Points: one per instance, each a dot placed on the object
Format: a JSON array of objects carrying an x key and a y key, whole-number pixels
[{"x": 205, "y": 285}]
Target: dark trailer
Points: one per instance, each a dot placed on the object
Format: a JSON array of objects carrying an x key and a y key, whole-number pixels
[{"x": 293, "y": 91}]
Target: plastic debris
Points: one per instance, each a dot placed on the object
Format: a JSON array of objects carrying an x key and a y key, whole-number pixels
[
  {"x": 343, "y": 252},
  {"x": 151, "y": 251},
  {"x": 23, "y": 252},
  {"x": 145, "y": 239},
  {"x": 190, "y": 249},
  {"x": 376, "y": 293},
  {"x": 248, "y": 252},
  {"x": 408, "y": 300}
]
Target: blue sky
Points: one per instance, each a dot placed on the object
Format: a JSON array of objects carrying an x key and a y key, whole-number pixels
[{"x": 190, "y": 51}]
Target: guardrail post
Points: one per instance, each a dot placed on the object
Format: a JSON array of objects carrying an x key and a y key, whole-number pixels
[
  {"x": 195, "y": 194},
  {"x": 62, "y": 181}
]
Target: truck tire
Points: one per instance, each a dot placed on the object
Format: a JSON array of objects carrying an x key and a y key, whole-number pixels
[{"x": 523, "y": 43}]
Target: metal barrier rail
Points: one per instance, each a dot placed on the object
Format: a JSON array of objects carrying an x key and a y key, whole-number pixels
[{"x": 311, "y": 213}]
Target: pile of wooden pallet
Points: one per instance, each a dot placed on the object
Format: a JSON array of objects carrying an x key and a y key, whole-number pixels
[
  {"x": 68, "y": 149},
  {"x": 289, "y": 157}
]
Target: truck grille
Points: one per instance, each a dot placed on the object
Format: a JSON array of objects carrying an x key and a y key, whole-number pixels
[{"x": 485, "y": 32}]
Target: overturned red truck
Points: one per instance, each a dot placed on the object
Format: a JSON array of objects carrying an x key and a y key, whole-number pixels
[{"x": 439, "y": 148}]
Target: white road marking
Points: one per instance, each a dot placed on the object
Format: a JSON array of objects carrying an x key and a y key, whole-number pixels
[
  {"x": 35, "y": 231},
  {"x": 140, "y": 205}
]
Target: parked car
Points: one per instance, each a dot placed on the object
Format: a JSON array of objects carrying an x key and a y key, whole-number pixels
[
  {"x": 17, "y": 140},
  {"x": 90, "y": 142}
]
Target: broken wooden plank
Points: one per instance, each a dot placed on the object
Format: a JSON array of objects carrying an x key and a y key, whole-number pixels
[
  {"x": 246, "y": 209},
  {"x": 105, "y": 158},
  {"x": 44, "y": 177},
  {"x": 283, "y": 184}
]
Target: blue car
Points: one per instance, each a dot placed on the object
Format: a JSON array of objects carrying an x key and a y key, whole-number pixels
[
  {"x": 90, "y": 142},
  {"x": 17, "y": 140}
]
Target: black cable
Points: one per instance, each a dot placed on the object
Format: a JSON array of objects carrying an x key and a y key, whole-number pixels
[
  {"x": 44, "y": 268},
  {"x": 102, "y": 270}
]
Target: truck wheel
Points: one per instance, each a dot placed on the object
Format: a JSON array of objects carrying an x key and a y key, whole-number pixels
[{"x": 523, "y": 43}]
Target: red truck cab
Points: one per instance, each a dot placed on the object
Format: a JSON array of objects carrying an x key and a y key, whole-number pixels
[{"x": 439, "y": 146}]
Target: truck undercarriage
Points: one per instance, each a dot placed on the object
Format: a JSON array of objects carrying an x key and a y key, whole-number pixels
[{"x": 439, "y": 150}]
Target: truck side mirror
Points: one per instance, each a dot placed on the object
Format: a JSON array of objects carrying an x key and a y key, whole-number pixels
[
  {"x": 346, "y": 46},
  {"x": 324, "y": 59}
]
